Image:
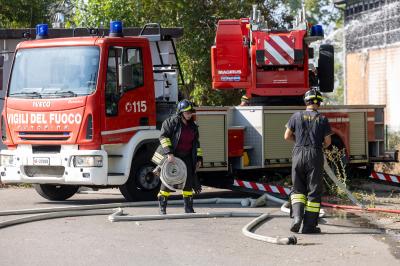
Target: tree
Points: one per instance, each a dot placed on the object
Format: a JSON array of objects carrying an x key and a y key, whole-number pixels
[
  {"x": 317, "y": 11},
  {"x": 199, "y": 20},
  {"x": 25, "y": 13}
]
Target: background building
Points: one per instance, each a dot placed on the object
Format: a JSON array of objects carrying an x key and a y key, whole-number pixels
[{"x": 372, "y": 55}]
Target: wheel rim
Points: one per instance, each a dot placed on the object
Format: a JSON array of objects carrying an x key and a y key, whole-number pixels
[{"x": 146, "y": 179}]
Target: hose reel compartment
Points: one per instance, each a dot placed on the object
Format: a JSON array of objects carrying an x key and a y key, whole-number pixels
[{"x": 213, "y": 130}]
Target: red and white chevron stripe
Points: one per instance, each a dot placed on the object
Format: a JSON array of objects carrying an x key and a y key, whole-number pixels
[
  {"x": 385, "y": 177},
  {"x": 279, "y": 50},
  {"x": 262, "y": 187}
]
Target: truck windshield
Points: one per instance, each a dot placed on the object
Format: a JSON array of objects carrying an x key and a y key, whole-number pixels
[{"x": 56, "y": 72}]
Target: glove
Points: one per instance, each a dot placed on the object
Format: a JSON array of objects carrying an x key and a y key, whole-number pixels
[
  {"x": 199, "y": 164},
  {"x": 157, "y": 171},
  {"x": 196, "y": 185}
]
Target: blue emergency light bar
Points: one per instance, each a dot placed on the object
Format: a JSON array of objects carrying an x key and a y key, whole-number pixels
[
  {"x": 317, "y": 30},
  {"x": 116, "y": 28},
  {"x": 42, "y": 31}
]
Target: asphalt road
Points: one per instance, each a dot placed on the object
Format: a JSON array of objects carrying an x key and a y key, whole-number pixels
[{"x": 96, "y": 241}]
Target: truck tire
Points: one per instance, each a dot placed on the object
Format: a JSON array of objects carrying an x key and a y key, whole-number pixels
[
  {"x": 142, "y": 184},
  {"x": 326, "y": 68},
  {"x": 55, "y": 192}
]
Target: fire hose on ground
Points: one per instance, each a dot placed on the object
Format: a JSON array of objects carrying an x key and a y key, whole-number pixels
[
  {"x": 172, "y": 179},
  {"x": 115, "y": 215}
]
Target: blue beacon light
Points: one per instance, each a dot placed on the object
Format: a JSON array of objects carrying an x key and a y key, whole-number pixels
[
  {"x": 317, "y": 30},
  {"x": 116, "y": 28},
  {"x": 42, "y": 31}
]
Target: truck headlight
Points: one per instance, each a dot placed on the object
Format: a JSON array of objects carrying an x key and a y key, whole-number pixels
[
  {"x": 6, "y": 160},
  {"x": 87, "y": 161}
]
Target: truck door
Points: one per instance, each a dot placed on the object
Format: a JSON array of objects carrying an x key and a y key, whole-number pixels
[{"x": 129, "y": 93}]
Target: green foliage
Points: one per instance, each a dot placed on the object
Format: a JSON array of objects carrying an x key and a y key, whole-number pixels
[
  {"x": 335, "y": 158},
  {"x": 393, "y": 140},
  {"x": 24, "y": 13},
  {"x": 29, "y": 13},
  {"x": 337, "y": 97},
  {"x": 317, "y": 11},
  {"x": 199, "y": 20}
]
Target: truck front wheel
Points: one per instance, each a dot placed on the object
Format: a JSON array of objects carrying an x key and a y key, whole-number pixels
[
  {"x": 142, "y": 184},
  {"x": 55, "y": 192}
]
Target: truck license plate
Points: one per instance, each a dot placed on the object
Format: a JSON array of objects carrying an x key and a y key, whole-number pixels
[{"x": 41, "y": 161}]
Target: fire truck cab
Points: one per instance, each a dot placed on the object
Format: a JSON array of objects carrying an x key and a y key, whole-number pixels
[{"x": 84, "y": 111}]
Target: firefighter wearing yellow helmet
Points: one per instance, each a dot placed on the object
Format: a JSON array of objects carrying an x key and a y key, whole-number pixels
[{"x": 310, "y": 132}]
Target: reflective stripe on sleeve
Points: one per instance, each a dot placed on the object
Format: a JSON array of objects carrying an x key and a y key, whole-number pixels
[
  {"x": 199, "y": 152},
  {"x": 157, "y": 158},
  {"x": 166, "y": 142}
]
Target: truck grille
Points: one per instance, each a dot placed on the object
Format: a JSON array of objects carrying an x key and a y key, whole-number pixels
[
  {"x": 46, "y": 148},
  {"x": 46, "y": 171},
  {"x": 48, "y": 136}
]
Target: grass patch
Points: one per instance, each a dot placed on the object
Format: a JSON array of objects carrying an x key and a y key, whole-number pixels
[{"x": 16, "y": 185}]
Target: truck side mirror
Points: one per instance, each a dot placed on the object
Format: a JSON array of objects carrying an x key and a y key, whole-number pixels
[
  {"x": 125, "y": 77},
  {"x": 326, "y": 68}
]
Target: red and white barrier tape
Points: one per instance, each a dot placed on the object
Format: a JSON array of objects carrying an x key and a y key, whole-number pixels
[
  {"x": 385, "y": 177},
  {"x": 262, "y": 187}
]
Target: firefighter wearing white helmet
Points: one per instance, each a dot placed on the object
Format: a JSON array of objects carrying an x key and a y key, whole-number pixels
[
  {"x": 310, "y": 132},
  {"x": 180, "y": 137}
]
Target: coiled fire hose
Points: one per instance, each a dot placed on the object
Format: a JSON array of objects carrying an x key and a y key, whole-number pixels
[{"x": 173, "y": 174}]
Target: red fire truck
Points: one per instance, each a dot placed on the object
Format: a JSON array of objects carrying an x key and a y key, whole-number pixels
[{"x": 85, "y": 111}]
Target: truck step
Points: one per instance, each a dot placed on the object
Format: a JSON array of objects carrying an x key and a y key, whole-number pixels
[
  {"x": 115, "y": 174},
  {"x": 115, "y": 156}
]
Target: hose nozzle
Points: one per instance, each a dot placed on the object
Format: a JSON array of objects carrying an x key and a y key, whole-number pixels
[{"x": 292, "y": 240}]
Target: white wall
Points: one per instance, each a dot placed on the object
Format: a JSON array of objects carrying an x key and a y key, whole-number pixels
[{"x": 373, "y": 77}]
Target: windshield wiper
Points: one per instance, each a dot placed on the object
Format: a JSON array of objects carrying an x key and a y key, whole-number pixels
[
  {"x": 60, "y": 93},
  {"x": 66, "y": 93},
  {"x": 33, "y": 94}
]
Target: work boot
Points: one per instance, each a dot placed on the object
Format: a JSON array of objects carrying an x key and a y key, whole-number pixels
[
  {"x": 188, "y": 203},
  {"x": 310, "y": 223},
  {"x": 311, "y": 230},
  {"x": 162, "y": 202},
  {"x": 297, "y": 211}
]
